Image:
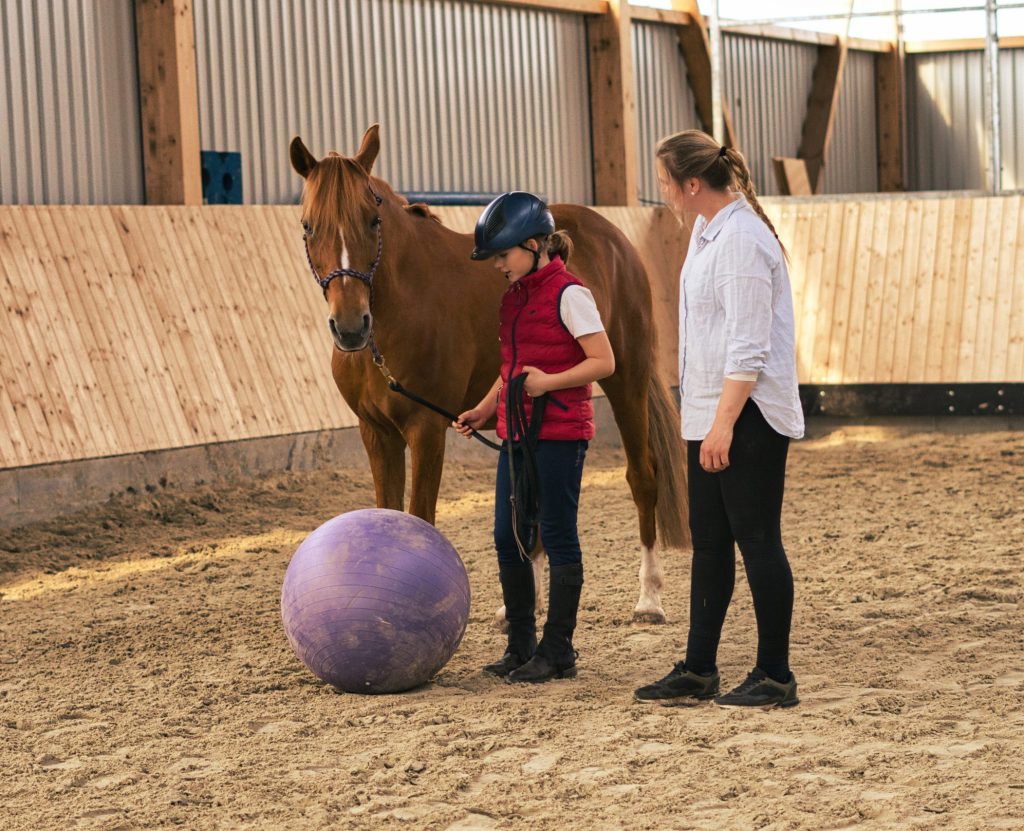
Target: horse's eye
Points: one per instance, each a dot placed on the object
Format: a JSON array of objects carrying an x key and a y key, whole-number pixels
[{"x": 307, "y": 228}]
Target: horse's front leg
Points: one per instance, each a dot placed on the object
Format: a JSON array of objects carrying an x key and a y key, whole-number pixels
[
  {"x": 426, "y": 439},
  {"x": 386, "y": 449}
]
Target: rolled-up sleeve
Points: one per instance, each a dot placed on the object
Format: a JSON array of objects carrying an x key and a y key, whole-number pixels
[{"x": 747, "y": 301}]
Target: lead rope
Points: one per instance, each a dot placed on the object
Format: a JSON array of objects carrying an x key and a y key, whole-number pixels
[
  {"x": 395, "y": 386},
  {"x": 524, "y": 484}
]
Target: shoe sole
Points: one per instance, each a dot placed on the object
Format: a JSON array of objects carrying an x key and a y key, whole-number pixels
[
  {"x": 677, "y": 701},
  {"x": 558, "y": 676},
  {"x": 772, "y": 706}
]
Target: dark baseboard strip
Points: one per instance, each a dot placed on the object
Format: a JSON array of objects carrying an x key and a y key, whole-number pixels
[{"x": 858, "y": 400}]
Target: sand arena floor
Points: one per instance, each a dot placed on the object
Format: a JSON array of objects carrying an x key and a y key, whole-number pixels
[{"x": 145, "y": 681}]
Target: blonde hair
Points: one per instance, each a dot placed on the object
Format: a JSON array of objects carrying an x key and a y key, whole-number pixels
[{"x": 694, "y": 154}]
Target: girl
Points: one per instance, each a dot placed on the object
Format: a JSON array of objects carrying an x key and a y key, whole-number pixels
[
  {"x": 553, "y": 346},
  {"x": 740, "y": 408}
]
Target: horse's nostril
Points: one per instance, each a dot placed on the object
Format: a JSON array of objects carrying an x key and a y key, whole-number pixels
[
  {"x": 333, "y": 325},
  {"x": 366, "y": 323}
]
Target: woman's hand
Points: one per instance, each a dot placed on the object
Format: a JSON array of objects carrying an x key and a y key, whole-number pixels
[
  {"x": 714, "y": 450},
  {"x": 537, "y": 381},
  {"x": 469, "y": 421}
]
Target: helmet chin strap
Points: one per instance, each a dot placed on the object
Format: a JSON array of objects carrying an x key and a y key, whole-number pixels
[{"x": 536, "y": 257}]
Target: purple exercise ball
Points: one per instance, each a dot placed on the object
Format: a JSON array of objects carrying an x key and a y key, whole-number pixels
[{"x": 375, "y": 601}]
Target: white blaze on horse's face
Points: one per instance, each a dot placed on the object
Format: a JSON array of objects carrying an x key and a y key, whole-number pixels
[
  {"x": 349, "y": 318},
  {"x": 344, "y": 252}
]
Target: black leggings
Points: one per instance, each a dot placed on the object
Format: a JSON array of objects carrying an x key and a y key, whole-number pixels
[{"x": 741, "y": 505}]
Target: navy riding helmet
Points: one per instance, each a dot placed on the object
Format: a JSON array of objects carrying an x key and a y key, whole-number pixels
[{"x": 509, "y": 221}]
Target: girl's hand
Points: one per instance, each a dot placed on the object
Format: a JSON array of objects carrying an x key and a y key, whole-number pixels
[
  {"x": 469, "y": 421},
  {"x": 536, "y": 381},
  {"x": 714, "y": 450}
]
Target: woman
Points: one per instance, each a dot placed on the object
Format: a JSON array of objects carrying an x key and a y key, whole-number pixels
[
  {"x": 740, "y": 408},
  {"x": 552, "y": 341}
]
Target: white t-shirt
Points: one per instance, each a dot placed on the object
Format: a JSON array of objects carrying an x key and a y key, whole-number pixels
[{"x": 579, "y": 312}]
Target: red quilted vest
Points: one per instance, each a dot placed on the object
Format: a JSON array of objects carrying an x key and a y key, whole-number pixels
[{"x": 532, "y": 333}]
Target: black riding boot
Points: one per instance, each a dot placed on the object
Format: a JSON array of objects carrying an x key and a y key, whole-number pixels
[
  {"x": 555, "y": 656},
  {"x": 518, "y": 591}
]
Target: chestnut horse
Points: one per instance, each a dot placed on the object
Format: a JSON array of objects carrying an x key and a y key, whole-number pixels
[{"x": 399, "y": 282}]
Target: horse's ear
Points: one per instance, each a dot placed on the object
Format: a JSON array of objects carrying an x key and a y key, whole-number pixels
[
  {"x": 302, "y": 160},
  {"x": 369, "y": 149}
]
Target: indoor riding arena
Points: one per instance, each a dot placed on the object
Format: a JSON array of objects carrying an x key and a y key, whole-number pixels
[{"x": 171, "y": 433}]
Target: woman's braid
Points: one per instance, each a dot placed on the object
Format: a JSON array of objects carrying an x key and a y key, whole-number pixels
[{"x": 742, "y": 176}]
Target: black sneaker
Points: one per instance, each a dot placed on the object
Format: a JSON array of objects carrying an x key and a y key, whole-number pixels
[
  {"x": 680, "y": 686},
  {"x": 761, "y": 691}
]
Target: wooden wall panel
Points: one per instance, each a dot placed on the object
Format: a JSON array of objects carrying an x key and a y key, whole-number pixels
[
  {"x": 915, "y": 318},
  {"x": 1015, "y": 298},
  {"x": 136, "y": 328}
]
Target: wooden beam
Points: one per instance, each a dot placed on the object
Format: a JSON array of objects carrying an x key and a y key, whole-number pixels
[
  {"x": 696, "y": 48},
  {"x": 770, "y": 32},
  {"x": 966, "y": 45},
  {"x": 165, "y": 42},
  {"x": 669, "y": 17},
  {"x": 784, "y": 33},
  {"x": 821, "y": 109},
  {"x": 792, "y": 177},
  {"x": 613, "y": 106},
  {"x": 566, "y": 6},
  {"x": 890, "y": 98}
]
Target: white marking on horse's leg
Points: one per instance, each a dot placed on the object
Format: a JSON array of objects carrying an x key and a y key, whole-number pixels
[
  {"x": 648, "y": 607},
  {"x": 500, "y": 621},
  {"x": 538, "y": 561}
]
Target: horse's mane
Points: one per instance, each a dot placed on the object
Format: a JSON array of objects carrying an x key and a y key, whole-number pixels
[{"x": 331, "y": 198}]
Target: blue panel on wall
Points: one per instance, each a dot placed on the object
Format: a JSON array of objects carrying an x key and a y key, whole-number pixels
[{"x": 222, "y": 178}]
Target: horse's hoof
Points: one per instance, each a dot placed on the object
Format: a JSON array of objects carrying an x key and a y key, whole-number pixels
[{"x": 649, "y": 617}]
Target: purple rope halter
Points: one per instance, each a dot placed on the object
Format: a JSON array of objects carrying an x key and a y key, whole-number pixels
[{"x": 365, "y": 276}]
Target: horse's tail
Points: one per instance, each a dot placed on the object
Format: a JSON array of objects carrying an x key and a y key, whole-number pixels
[{"x": 669, "y": 458}]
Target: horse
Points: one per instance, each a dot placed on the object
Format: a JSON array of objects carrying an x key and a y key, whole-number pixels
[{"x": 406, "y": 302}]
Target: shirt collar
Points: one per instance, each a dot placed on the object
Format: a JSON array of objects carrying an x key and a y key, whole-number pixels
[{"x": 714, "y": 227}]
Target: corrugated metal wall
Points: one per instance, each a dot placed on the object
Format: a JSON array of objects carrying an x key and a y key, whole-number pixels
[
  {"x": 69, "y": 118},
  {"x": 664, "y": 100},
  {"x": 469, "y": 97},
  {"x": 853, "y": 153},
  {"x": 766, "y": 84},
  {"x": 945, "y": 105},
  {"x": 460, "y": 108}
]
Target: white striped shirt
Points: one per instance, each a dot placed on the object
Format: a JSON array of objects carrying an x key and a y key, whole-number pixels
[{"x": 736, "y": 320}]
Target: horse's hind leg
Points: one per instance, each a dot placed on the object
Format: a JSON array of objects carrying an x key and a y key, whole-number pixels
[
  {"x": 386, "y": 449},
  {"x": 627, "y": 394}
]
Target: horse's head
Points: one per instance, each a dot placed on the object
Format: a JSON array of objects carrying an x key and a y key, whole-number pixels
[{"x": 341, "y": 220}]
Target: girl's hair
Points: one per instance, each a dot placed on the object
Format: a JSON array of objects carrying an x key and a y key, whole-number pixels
[
  {"x": 557, "y": 244},
  {"x": 695, "y": 154}
]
